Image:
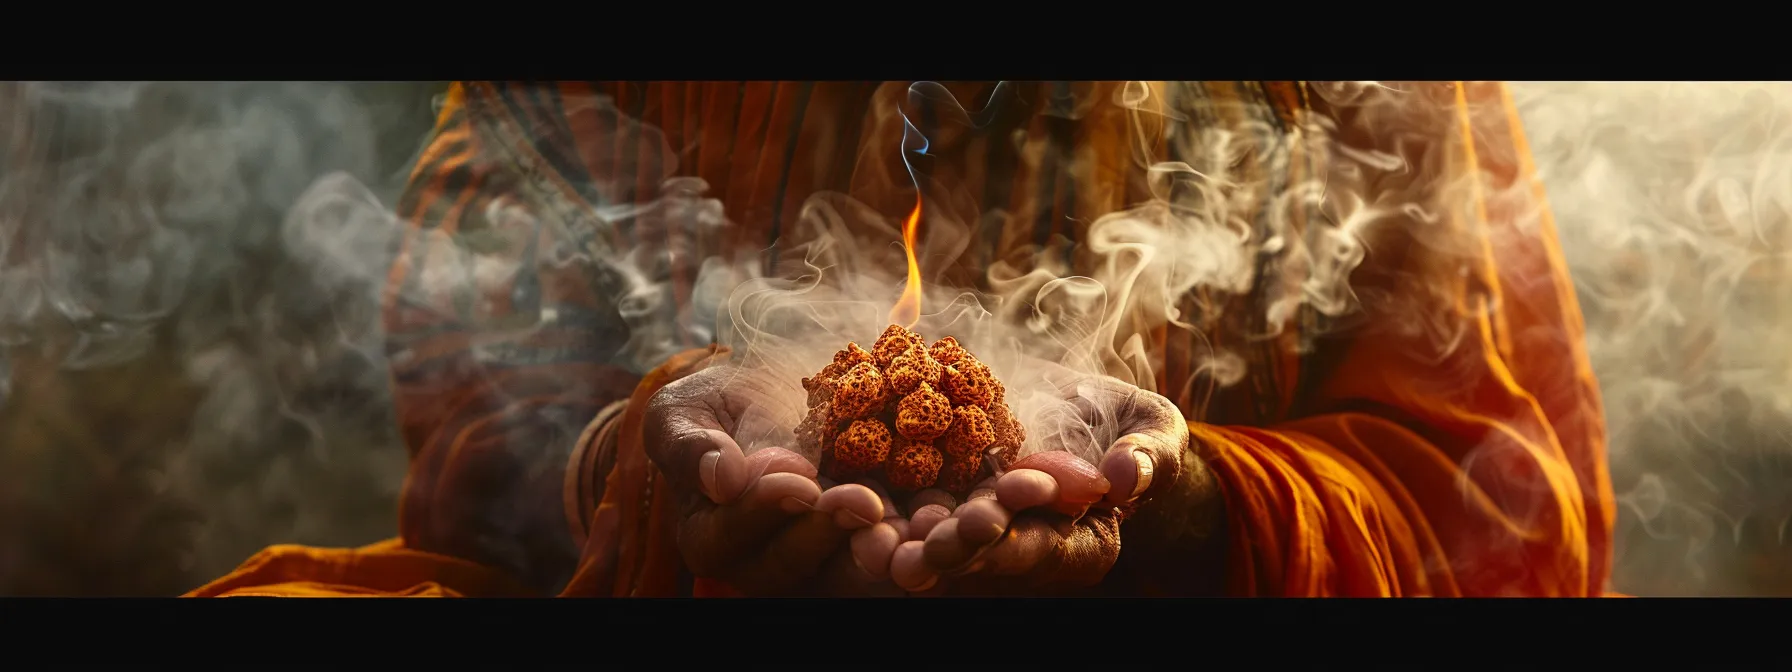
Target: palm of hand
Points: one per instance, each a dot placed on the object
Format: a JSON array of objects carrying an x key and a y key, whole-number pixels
[
  {"x": 764, "y": 523},
  {"x": 1051, "y": 521},
  {"x": 760, "y": 522}
]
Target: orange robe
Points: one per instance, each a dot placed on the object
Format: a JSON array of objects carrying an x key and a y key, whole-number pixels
[{"x": 1369, "y": 462}]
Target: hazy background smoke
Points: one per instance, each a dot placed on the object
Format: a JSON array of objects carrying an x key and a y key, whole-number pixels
[
  {"x": 1673, "y": 203},
  {"x": 199, "y": 373},
  {"x": 245, "y": 402}
]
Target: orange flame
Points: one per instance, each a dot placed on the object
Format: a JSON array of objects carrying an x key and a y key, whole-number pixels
[{"x": 907, "y": 310}]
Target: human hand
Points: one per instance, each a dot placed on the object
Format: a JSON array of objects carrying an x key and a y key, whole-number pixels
[
  {"x": 761, "y": 522},
  {"x": 1051, "y": 521}
]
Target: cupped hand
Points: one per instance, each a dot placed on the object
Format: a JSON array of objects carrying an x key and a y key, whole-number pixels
[
  {"x": 761, "y": 523},
  {"x": 1051, "y": 521}
]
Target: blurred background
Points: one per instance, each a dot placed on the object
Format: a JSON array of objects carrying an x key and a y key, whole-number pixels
[{"x": 188, "y": 412}]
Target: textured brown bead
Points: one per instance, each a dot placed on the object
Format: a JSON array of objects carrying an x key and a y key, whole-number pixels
[
  {"x": 1009, "y": 432},
  {"x": 924, "y": 414},
  {"x": 864, "y": 445},
  {"x": 968, "y": 383},
  {"x": 970, "y": 433},
  {"x": 859, "y": 392},
  {"x": 960, "y": 475},
  {"x": 913, "y": 466},
  {"x": 919, "y": 416},
  {"x": 894, "y": 341},
  {"x": 912, "y": 369}
]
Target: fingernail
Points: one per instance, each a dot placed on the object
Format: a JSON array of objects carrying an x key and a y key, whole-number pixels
[
  {"x": 706, "y": 473},
  {"x": 1145, "y": 468},
  {"x": 931, "y": 582},
  {"x": 794, "y": 505}
]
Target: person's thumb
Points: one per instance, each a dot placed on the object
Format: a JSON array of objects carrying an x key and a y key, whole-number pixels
[{"x": 1149, "y": 456}]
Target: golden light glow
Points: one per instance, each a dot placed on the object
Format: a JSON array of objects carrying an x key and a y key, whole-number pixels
[{"x": 907, "y": 310}]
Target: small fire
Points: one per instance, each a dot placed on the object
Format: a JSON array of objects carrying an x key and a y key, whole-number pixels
[{"x": 907, "y": 310}]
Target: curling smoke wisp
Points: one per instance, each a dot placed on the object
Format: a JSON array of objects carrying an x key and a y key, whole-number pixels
[{"x": 201, "y": 268}]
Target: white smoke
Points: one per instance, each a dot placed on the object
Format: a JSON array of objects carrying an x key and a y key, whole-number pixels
[
  {"x": 1226, "y": 233},
  {"x": 1672, "y": 203},
  {"x": 190, "y": 278}
]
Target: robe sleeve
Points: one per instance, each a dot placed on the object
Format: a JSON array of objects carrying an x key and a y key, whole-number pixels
[
  {"x": 511, "y": 367},
  {"x": 1455, "y": 446},
  {"x": 502, "y": 352},
  {"x": 385, "y": 569},
  {"x": 500, "y": 359}
]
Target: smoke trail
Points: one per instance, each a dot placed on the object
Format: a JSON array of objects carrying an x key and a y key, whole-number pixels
[
  {"x": 1672, "y": 201},
  {"x": 1245, "y": 222},
  {"x": 189, "y": 280}
]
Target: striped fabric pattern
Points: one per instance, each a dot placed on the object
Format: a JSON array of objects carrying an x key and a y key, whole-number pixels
[
  {"x": 563, "y": 151},
  {"x": 487, "y": 318}
]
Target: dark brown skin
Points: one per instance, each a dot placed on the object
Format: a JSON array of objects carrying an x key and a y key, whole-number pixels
[
  {"x": 762, "y": 524},
  {"x": 1050, "y": 523}
]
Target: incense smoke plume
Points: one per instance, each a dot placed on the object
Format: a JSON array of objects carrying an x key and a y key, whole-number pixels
[
  {"x": 192, "y": 363},
  {"x": 1223, "y": 214}
]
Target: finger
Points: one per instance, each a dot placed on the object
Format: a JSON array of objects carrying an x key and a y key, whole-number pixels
[
  {"x": 789, "y": 493},
  {"x": 1129, "y": 469},
  {"x": 775, "y": 460},
  {"x": 944, "y": 551},
  {"x": 891, "y": 513},
  {"x": 986, "y": 488},
  {"x": 720, "y": 467},
  {"x": 1149, "y": 453},
  {"x": 982, "y": 521},
  {"x": 715, "y": 538},
  {"x": 1022, "y": 548},
  {"x": 1024, "y": 489},
  {"x": 873, "y": 547},
  {"x": 683, "y": 428},
  {"x": 931, "y": 496},
  {"x": 842, "y": 577},
  {"x": 793, "y": 557},
  {"x": 954, "y": 546},
  {"x": 902, "y": 526},
  {"x": 724, "y": 472},
  {"x": 1079, "y": 483},
  {"x": 909, "y": 570},
  {"x": 852, "y": 506},
  {"x": 924, "y": 520}
]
